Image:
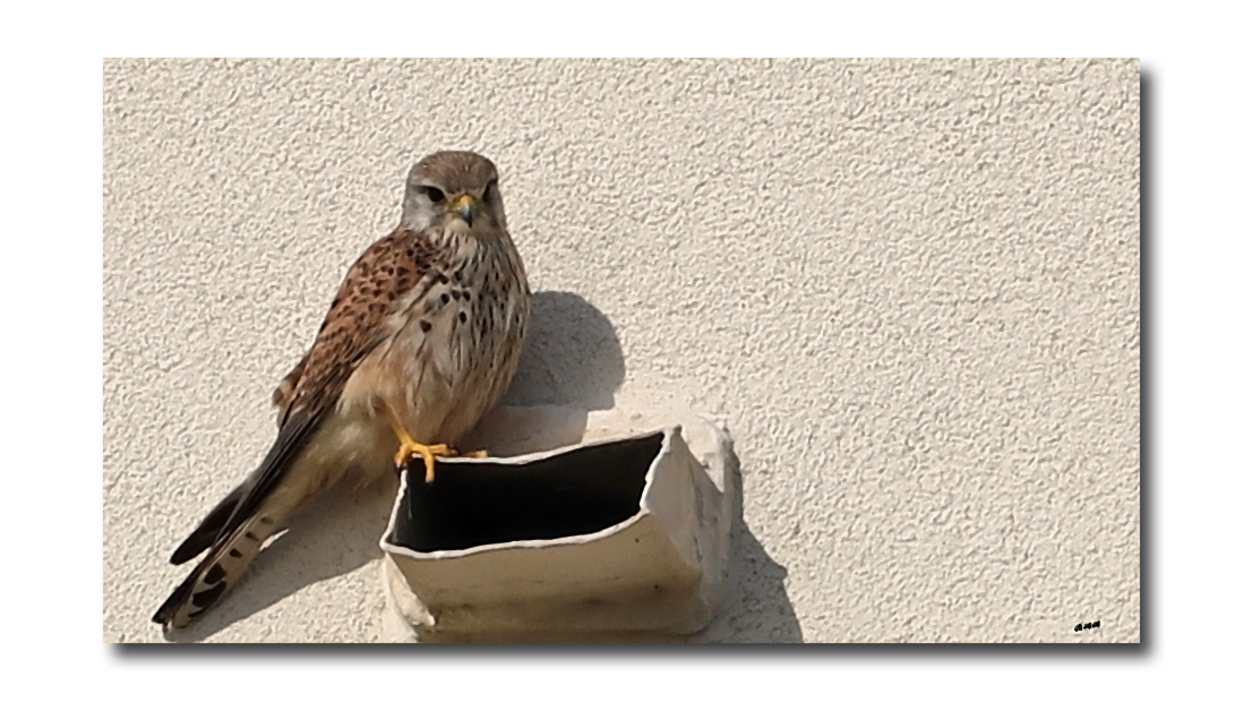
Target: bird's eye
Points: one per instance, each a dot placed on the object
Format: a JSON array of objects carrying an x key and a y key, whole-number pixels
[
  {"x": 434, "y": 194},
  {"x": 490, "y": 190}
]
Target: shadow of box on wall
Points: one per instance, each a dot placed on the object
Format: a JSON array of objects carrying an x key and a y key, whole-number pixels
[{"x": 625, "y": 533}]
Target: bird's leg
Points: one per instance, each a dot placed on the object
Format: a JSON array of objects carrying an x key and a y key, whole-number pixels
[{"x": 410, "y": 447}]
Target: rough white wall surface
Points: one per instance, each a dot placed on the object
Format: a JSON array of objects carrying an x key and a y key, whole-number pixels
[{"x": 911, "y": 288}]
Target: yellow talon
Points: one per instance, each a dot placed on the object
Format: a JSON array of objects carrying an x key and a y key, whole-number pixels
[{"x": 410, "y": 447}]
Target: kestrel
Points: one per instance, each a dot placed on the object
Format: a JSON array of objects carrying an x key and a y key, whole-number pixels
[{"x": 423, "y": 337}]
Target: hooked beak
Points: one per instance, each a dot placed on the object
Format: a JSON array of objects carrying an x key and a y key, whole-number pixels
[{"x": 466, "y": 207}]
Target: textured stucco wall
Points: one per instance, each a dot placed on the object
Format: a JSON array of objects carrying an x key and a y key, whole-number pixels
[{"x": 912, "y": 288}]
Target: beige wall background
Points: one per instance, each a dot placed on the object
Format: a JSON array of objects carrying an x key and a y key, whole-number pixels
[{"x": 910, "y": 288}]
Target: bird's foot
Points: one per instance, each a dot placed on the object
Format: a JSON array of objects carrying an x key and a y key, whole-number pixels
[
  {"x": 476, "y": 454},
  {"x": 428, "y": 453}
]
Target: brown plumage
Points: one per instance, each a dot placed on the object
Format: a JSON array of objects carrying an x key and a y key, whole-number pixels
[{"x": 421, "y": 339}]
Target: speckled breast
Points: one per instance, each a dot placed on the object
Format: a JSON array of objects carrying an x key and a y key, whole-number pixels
[{"x": 464, "y": 339}]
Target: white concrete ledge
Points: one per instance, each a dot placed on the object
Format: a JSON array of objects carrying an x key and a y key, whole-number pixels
[{"x": 627, "y": 533}]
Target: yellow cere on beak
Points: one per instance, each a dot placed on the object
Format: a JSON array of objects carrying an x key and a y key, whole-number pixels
[{"x": 466, "y": 206}]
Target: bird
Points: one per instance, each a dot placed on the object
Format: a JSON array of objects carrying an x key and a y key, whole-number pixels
[{"x": 420, "y": 341}]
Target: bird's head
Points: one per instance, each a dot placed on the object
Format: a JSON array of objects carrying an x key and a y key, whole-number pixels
[{"x": 451, "y": 186}]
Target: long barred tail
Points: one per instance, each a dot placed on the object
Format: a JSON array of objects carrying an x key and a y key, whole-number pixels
[
  {"x": 219, "y": 571},
  {"x": 236, "y": 528}
]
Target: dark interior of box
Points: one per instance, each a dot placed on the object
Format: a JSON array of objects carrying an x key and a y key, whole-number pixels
[{"x": 578, "y": 492}]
